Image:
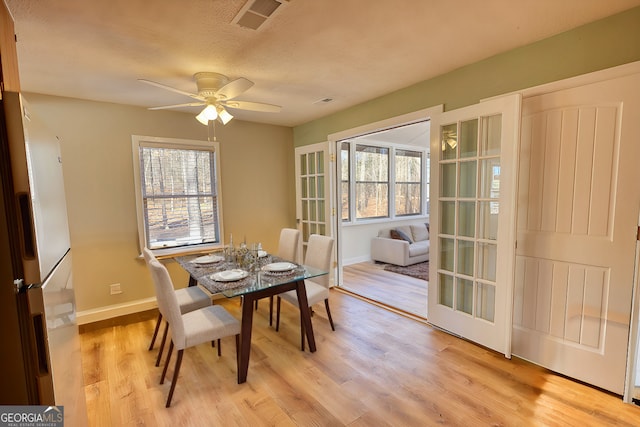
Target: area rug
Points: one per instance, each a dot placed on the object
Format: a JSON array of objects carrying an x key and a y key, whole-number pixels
[{"x": 419, "y": 270}]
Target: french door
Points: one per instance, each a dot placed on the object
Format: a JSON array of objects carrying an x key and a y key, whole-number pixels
[
  {"x": 313, "y": 191},
  {"x": 472, "y": 221}
]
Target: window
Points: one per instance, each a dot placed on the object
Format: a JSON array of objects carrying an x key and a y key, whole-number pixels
[
  {"x": 177, "y": 189},
  {"x": 385, "y": 174},
  {"x": 408, "y": 182},
  {"x": 372, "y": 182},
  {"x": 344, "y": 181}
]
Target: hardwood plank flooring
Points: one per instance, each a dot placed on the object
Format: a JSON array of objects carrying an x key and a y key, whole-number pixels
[
  {"x": 401, "y": 292},
  {"x": 378, "y": 368}
]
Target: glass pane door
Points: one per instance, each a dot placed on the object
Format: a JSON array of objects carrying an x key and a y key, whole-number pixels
[
  {"x": 473, "y": 221},
  {"x": 312, "y": 176},
  {"x": 469, "y": 200}
]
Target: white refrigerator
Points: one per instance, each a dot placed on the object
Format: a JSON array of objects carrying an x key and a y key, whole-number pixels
[{"x": 41, "y": 363}]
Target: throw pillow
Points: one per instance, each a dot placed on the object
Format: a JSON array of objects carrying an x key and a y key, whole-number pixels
[
  {"x": 402, "y": 235},
  {"x": 394, "y": 235},
  {"x": 419, "y": 233}
]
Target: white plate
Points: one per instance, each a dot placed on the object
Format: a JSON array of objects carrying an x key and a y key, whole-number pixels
[
  {"x": 229, "y": 275},
  {"x": 207, "y": 259},
  {"x": 279, "y": 266}
]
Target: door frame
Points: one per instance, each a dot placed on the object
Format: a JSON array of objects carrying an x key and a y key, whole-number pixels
[{"x": 335, "y": 138}]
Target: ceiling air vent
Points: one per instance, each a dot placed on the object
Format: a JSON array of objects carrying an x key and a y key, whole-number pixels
[{"x": 255, "y": 12}]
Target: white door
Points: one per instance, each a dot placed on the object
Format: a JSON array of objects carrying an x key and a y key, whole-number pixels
[
  {"x": 473, "y": 189},
  {"x": 578, "y": 201},
  {"x": 313, "y": 191}
]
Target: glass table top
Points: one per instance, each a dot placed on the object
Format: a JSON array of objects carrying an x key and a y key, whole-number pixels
[{"x": 231, "y": 281}]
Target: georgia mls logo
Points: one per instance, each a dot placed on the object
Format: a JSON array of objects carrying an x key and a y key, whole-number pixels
[{"x": 31, "y": 416}]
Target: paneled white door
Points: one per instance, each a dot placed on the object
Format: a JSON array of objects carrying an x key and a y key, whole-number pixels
[
  {"x": 473, "y": 194},
  {"x": 578, "y": 202}
]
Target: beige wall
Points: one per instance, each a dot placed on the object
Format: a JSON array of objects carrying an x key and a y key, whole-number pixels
[{"x": 258, "y": 190}]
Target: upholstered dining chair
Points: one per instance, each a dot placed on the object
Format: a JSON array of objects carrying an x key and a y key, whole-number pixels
[
  {"x": 189, "y": 299},
  {"x": 288, "y": 250},
  {"x": 319, "y": 250},
  {"x": 190, "y": 329},
  {"x": 289, "y": 244}
]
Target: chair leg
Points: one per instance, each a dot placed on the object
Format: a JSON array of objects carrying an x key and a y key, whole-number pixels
[
  {"x": 155, "y": 331},
  {"x": 166, "y": 363},
  {"x": 219, "y": 348},
  {"x": 176, "y": 370},
  {"x": 278, "y": 313},
  {"x": 256, "y": 303},
  {"x": 326, "y": 305},
  {"x": 162, "y": 343},
  {"x": 271, "y": 310}
]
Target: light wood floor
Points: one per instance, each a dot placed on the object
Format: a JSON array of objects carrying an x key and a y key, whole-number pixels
[
  {"x": 377, "y": 369},
  {"x": 402, "y": 292}
]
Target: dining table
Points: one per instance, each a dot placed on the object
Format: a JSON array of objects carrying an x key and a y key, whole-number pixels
[{"x": 267, "y": 277}]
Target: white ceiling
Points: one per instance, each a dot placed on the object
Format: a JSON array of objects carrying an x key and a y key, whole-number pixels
[{"x": 348, "y": 50}]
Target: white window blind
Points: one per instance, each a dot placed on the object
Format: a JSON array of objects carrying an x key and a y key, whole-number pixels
[{"x": 178, "y": 195}]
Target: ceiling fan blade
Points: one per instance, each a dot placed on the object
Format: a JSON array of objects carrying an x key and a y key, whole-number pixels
[
  {"x": 166, "y": 107},
  {"x": 253, "y": 106},
  {"x": 233, "y": 88},
  {"x": 172, "y": 89}
]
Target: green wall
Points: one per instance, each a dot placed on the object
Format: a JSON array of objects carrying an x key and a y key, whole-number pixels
[{"x": 601, "y": 44}]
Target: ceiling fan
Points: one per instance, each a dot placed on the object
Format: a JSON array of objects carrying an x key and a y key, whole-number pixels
[{"x": 216, "y": 92}]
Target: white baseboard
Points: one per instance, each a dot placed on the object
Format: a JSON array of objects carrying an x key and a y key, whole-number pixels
[
  {"x": 116, "y": 310},
  {"x": 356, "y": 260}
]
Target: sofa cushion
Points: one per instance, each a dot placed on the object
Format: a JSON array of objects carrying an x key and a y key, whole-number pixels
[
  {"x": 419, "y": 248},
  {"x": 419, "y": 233},
  {"x": 399, "y": 235}
]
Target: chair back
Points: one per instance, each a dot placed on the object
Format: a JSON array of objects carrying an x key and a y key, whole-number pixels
[
  {"x": 288, "y": 245},
  {"x": 319, "y": 251},
  {"x": 148, "y": 255},
  {"x": 168, "y": 302},
  {"x": 148, "y": 258}
]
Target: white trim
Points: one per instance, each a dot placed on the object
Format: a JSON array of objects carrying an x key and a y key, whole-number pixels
[
  {"x": 333, "y": 139},
  {"x": 633, "y": 355},
  {"x": 136, "y": 141},
  {"x": 132, "y": 307},
  {"x": 115, "y": 310},
  {"x": 386, "y": 123}
]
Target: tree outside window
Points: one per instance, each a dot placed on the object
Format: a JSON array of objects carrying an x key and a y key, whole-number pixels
[
  {"x": 177, "y": 195},
  {"x": 408, "y": 183},
  {"x": 372, "y": 182},
  {"x": 345, "y": 192}
]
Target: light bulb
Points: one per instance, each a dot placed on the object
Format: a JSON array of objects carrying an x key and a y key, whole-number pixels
[
  {"x": 223, "y": 115},
  {"x": 208, "y": 113}
]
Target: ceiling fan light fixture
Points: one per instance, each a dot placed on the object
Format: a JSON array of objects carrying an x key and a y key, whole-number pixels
[
  {"x": 223, "y": 115},
  {"x": 208, "y": 113}
]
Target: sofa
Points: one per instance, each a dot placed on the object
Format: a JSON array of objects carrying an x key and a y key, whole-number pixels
[{"x": 402, "y": 245}]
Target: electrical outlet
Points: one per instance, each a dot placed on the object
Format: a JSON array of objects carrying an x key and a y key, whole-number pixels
[{"x": 115, "y": 289}]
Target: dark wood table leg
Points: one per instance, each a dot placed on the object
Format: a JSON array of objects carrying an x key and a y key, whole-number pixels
[
  {"x": 245, "y": 337},
  {"x": 305, "y": 314}
]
